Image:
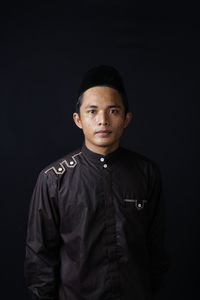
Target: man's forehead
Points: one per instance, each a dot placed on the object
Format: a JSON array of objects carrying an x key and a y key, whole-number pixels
[
  {"x": 102, "y": 90},
  {"x": 101, "y": 102},
  {"x": 102, "y": 97}
]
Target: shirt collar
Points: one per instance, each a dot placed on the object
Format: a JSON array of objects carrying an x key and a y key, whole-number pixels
[{"x": 111, "y": 157}]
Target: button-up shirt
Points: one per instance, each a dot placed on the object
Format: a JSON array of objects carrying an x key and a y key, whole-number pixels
[{"x": 96, "y": 228}]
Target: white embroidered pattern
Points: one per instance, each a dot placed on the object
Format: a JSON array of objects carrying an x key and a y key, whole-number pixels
[{"x": 63, "y": 165}]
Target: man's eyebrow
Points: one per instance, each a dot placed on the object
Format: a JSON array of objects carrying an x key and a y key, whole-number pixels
[
  {"x": 91, "y": 106},
  {"x": 109, "y": 106},
  {"x": 114, "y": 106}
]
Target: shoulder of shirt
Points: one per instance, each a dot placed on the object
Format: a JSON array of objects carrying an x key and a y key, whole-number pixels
[
  {"x": 140, "y": 159},
  {"x": 61, "y": 165}
]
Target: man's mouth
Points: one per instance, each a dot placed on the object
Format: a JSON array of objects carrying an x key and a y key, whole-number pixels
[{"x": 103, "y": 133}]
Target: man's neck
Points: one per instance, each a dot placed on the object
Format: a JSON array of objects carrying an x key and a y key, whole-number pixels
[{"x": 102, "y": 150}]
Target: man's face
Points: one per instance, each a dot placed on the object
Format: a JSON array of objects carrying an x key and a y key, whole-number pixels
[{"x": 102, "y": 119}]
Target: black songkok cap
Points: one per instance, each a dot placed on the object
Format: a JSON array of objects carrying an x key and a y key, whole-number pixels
[{"x": 104, "y": 76}]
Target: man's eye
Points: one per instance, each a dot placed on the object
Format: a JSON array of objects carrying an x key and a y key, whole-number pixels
[
  {"x": 114, "y": 111},
  {"x": 91, "y": 111}
]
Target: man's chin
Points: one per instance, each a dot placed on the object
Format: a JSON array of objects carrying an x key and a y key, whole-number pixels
[
  {"x": 103, "y": 144},
  {"x": 106, "y": 144}
]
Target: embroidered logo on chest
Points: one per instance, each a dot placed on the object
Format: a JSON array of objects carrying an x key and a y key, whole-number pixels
[{"x": 139, "y": 204}]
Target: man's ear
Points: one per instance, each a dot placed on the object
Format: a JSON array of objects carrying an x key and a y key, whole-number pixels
[
  {"x": 77, "y": 120},
  {"x": 128, "y": 119}
]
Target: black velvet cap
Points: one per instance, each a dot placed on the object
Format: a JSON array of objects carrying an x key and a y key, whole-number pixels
[{"x": 104, "y": 76}]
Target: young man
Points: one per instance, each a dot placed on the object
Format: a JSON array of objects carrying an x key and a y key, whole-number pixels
[{"x": 96, "y": 227}]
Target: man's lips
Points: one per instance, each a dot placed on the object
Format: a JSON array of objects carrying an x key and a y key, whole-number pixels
[{"x": 103, "y": 133}]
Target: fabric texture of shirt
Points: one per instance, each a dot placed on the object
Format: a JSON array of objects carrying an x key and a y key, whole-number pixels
[{"x": 96, "y": 228}]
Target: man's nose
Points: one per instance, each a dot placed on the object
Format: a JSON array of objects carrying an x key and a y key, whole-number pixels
[{"x": 103, "y": 119}]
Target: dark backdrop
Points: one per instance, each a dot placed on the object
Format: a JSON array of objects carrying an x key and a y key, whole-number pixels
[{"x": 45, "y": 49}]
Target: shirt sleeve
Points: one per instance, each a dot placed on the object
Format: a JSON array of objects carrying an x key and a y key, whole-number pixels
[
  {"x": 158, "y": 257},
  {"x": 41, "y": 266}
]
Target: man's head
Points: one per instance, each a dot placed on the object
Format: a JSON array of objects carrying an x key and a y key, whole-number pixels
[
  {"x": 102, "y": 76},
  {"x": 102, "y": 110}
]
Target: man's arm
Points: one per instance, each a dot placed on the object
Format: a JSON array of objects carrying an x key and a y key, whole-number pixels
[
  {"x": 158, "y": 258},
  {"x": 41, "y": 265}
]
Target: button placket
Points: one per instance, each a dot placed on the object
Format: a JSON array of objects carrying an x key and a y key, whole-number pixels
[
  {"x": 110, "y": 234},
  {"x": 105, "y": 165}
]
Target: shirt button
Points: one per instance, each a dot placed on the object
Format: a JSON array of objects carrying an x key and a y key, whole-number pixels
[
  {"x": 59, "y": 169},
  {"x": 102, "y": 159},
  {"x": 71, "y": 162},
  {"x": 105, "y": 166}
]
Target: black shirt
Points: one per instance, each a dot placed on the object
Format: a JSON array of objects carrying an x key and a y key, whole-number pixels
[{"x": 96, "y": 228}]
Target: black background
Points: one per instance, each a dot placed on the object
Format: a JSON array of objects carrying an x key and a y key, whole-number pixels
[{"x": 45, "y": 49}]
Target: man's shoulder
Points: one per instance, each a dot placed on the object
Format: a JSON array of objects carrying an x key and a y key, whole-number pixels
[
  {"x": 60, "y": 166},
  {"x": 140, "y": 159}
]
